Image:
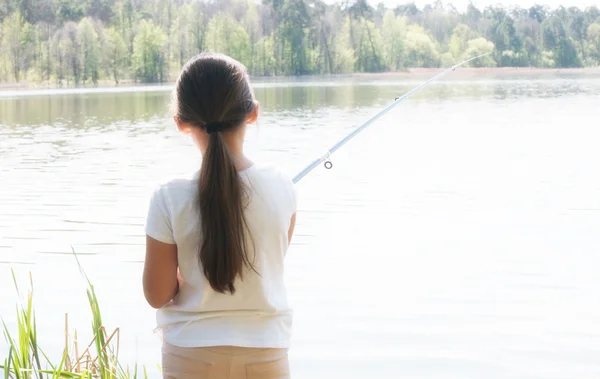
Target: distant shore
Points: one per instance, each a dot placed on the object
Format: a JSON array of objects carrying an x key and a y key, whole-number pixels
[
  {"x": 483, "y": 71},
  {"x": 412, "y": 72}
]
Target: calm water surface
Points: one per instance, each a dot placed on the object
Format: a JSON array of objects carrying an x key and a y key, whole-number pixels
[{"x": 455, "y": 238}]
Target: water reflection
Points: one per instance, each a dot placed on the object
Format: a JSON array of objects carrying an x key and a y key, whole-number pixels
[{"x": 89, "y": 110}]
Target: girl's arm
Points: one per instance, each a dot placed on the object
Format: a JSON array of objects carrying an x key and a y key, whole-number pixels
[
  {"x": 292, "y": 226},
  {"x": 160, "y": 273}
]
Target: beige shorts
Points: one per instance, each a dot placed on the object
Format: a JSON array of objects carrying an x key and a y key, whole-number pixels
[{"x": 224, "y": 362}]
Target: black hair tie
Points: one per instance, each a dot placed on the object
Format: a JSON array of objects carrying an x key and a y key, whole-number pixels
[{"x": 213, "y": 127}]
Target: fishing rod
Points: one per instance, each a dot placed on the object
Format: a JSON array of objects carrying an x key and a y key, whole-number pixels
[{"x": 325, "y": 158}]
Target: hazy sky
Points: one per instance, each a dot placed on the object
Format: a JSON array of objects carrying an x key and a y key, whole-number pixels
[{"x": 462, "y": 4}]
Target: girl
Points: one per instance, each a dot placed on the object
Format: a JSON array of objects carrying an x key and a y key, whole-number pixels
[{"x": 216, "y": 241}]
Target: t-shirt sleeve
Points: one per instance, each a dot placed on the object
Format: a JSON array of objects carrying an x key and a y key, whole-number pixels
[{"x": 158, "y": 220}]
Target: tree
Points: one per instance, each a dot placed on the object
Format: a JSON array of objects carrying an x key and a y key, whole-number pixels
[
  {"x": 16, "y": 34},
  {"x": 39, "y": 53},
  {"x": 421, "y": 50},
  {"x": 364, "y": 37},
  {"x": 578, "y": 25},
  {"x": 117, "y": 55},
  {"x": 480, "y": 46},
  {"x": 68, "y": 53},
  {"x": 394, "y": 34},
  {"x": 538, "y": 13},
  {"x": 88, "y": 40},
  {"x": 461, "y": 35},
  {"x": 227, "y": 36},
  {"x": 293, "y": 32},
  {"x": 67, "y": 10},
  {"x": 594, "y": 38},
  {"x": 368, "y": 46},
  {"x": 100, "y": 9},
  {"x": 409, "y": 10},
  {"x": 73, "y": 51},
  {"x": 251, "y": 22},
  {"x": 556, "y": 39},
  {"x": 97, "y": 40},
  {"x": 183, "y": 34},
  {"x": 148, "y": 54},
  {"x": 592, "y": 14},
  {"x": 502, "y": 34},
  {"x": 439, "y": 22},
  {"x": 323, "y": 34},
  {"x": 199, "y": 25},
  {"x": 344, "y": 59}
]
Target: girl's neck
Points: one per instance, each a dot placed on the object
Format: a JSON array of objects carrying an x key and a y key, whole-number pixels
[
  {"x": 235, "y": 142},
  {"x": 241, "y": 161}
]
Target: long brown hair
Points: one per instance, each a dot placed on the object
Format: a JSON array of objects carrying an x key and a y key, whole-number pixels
[{"x": 213, "y": 92}]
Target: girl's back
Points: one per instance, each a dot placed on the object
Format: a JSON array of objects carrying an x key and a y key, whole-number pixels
[
  {"x": 257, "y": 314},
  {"x": 216, "y": 241}
]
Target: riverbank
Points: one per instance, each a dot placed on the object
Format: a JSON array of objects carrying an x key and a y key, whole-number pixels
[{"x": 468, "y": 72}]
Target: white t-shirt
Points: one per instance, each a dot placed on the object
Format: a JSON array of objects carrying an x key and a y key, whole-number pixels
[{"x": 258, "y": 314}]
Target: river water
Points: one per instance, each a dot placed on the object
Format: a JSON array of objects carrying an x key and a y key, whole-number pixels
[{"x": 457, "y": 237}]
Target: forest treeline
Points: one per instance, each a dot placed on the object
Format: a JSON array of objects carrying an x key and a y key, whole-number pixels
[{"x": 85, "y": 41}]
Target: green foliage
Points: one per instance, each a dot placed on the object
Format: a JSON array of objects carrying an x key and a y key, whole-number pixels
[
  {"x": 447, "y": 59},
  {"x": 368, "y": 49},
  {"x": 264, "y": 60},
  {"x": 421, "y": 50},
  {"x": 27, "y": 360},
  {"x": 502, "y": 33},
  {"x": 16, "y": 33},
  {"x": 394, "y": 31},
  {"x": 227, "y": 36},
  {"x": 594, "y": 42},
  {"x": 461, "y": 35},
  {"x": 68, "y": 10},
  {"x": 89, "y": 41},
  {"x": 183, "y": 35},
  {"x": 116, "y": 55},
  {"x": 480, "y": 46},
  {"x": 556, "y": 39},
  {"x": 148, "y": 54},
  {"x": 547, "y": 60},
  {"x": 344, "y": 57}
]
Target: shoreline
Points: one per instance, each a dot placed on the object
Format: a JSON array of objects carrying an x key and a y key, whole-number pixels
[
  {"x": 487, "y": 70},
  {"x": 407, "y": 73}
]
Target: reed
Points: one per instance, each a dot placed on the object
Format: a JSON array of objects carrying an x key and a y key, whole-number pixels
[{"x": 98, "y": 360}]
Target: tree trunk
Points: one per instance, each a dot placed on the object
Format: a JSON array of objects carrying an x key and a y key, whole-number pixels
[
  {"x": 327, "y": 51},
  {"x": 48, "y": 63},
  {"x": 372, "y": 45}
]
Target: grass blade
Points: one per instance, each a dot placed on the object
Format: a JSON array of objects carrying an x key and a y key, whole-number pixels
[{"x": 24, "y": 360}]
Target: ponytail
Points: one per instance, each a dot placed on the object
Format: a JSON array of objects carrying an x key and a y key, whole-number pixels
[
  {"x": 213, "y": 93},
  {"x": 221, "y": 202}
]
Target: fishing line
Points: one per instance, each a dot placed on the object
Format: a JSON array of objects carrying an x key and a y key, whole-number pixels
[{"x": 325, "y": 158}]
